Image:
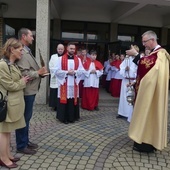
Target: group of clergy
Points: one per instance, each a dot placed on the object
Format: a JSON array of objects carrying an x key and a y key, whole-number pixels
[
  {"x": 112, "y": 78},
  {"x": 74, "y": 76},
  {"x": 149, "y": 75},
  {"x": 119, "y": 74}
]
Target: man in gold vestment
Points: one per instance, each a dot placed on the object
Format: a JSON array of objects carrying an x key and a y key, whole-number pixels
[{"x": 148, "y": 127}]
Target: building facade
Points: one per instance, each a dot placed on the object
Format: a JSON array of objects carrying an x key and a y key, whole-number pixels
[{"x": 105, "y": 26}]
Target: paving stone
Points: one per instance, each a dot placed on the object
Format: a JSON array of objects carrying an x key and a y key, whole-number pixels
[
  {"x": 81, "y": 167},
  {"x": 135, "y": 168},
  {"x": 148, "y": 165},
  {"x": 25, "y": 167},
  {"x": 143, "y": 168},
  {"x": 45, "y": 165},
  {"x": 35, "y": 165},
  {"x": 61, "y": 167},
  {"x": 71, "y": 166},
  {"x": 98, "y": 141},
  {"x": 51, "y": 168}
]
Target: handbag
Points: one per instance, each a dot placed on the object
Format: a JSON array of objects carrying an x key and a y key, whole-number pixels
[
  {"x": 3, "y": 103},
  {"x": 3, "y": 107}
]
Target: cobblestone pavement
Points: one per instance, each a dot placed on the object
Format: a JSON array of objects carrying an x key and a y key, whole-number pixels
[{"x": 98, "y": 141}]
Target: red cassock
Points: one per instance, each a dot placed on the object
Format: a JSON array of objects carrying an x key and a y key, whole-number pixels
[
  {"x": 90, "y": 96},
  {"x": 115, "y": 84}
]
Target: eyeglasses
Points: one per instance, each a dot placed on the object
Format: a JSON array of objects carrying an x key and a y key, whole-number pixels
[{"x": 146, "y": 40}]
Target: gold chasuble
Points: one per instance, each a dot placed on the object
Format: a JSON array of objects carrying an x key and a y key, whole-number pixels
[{"x": 150, "y": 115}]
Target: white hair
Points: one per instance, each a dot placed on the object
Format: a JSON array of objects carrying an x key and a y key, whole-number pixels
[{"x": 150, "y": 34}]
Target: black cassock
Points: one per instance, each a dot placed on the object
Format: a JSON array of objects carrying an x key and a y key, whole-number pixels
[{"x": 68, "y": 112}]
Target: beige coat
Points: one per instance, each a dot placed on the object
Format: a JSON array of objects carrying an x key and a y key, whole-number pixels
[
  {"x": 11, "y": 80},
  {"x": 29, "y": 66}
]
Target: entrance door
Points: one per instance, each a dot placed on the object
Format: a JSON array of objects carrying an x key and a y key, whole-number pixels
[
  {"x": 100, "y": 47},
  {"x": 119, "y": 47}
]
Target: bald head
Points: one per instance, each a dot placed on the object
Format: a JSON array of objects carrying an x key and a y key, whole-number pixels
[{"x": 60, "y": 49}]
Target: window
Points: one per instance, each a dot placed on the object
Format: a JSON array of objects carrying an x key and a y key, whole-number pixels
[
  {"x": 86, "y": 31},
  {"x": 72, "y": 30},
  {"x": 72, "y": 35},
  {"x": 92, "y": 36},
  {"x": 126, "y": 38},
  {"x": 98, "y": 31},
  {"x": 9, "y": 31}
]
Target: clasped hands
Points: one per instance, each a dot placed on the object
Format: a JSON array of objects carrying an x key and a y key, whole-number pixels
[
  {"x": 26, "y": 78},
  {"x": 127, "y": 68},
  {"x": 71, "y": 72},
  {"x": 93, "y": 72}
]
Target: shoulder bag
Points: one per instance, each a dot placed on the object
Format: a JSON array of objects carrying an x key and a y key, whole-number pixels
[{"x": 3, "y": 107}]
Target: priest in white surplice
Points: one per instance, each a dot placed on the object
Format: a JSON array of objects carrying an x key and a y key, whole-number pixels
[
  {"x": 68, "y": 73},
  {"x": 53, "y": 80},
  {"x": 128, "y": 70}
]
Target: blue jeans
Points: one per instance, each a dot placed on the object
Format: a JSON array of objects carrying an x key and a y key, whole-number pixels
[{"x": 22, "y": 135}]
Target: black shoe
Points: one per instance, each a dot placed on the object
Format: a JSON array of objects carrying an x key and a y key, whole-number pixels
[
  {"x": 65, "y": 122},
  {"x": 120, "y": 116},
  {"x": 144, "y": 147},
  {"x": 71, "y": 121},
  {"x": 137, "y": 149},
  {"x": 26, "y": 151},
  {"x": 54, "y": 109},
  {"x": 32, "y": 145},
  {"x": 96, "y": 108},
  {"x": 146, "y": 151}
]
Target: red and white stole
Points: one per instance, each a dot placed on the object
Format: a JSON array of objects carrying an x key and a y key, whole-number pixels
[{"x": 63, "y": 88}]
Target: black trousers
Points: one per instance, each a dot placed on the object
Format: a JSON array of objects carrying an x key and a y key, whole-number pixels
[
  {"x": 107, "y": 86},
  {"x": 53, "y": 97}
]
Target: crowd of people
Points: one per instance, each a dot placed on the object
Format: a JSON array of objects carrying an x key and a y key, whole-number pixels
[
  {"x": 148, "y": 73},
  {"x": 75, "y": 75},
  {"x": 20, "y": 80},
  {"x": 119, "y": 75}
]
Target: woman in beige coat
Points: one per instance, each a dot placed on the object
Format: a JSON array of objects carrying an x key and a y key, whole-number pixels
[{"x": 11, "y": 81}]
